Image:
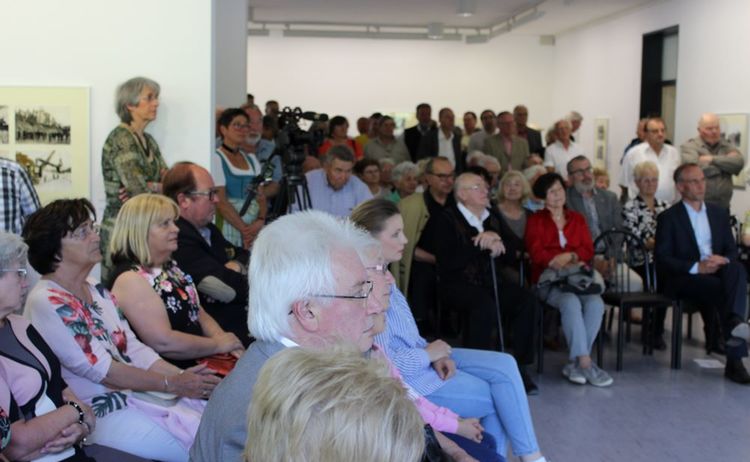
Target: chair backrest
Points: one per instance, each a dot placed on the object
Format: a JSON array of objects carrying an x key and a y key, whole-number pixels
[{"x": 625, "y": 251}]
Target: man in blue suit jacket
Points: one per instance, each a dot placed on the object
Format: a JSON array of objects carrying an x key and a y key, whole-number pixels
[{"x": 696, "y": 256}]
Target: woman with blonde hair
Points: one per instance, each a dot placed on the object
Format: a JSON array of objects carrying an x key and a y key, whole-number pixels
[
  {"x": 332, "y": 405},
  {"x": 102, "y": 360},
  {"x": 158, "y": 298}
]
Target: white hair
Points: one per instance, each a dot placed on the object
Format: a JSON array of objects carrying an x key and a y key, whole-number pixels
[
  {"x": 474, "y": 155},
  {"x": 403, "y": 169},
  {"x": 485, "y": 159},
  {"x": 291, "y": 260}
]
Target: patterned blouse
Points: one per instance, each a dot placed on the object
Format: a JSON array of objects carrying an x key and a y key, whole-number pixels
[
  {"x": 180, "y": 298},
  {"x": 87, "y": 337},
  {"x": 639, "y": 219},
  {"x": 4, "y": 429}
]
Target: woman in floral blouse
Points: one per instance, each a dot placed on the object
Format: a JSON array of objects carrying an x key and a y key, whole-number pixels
[
  {"x": 158, "y": 299},
  {"x": 102, "y": 360},
  {"x": 639, "y": 213}
]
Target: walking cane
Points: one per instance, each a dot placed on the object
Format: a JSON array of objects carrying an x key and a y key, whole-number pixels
[{"x": 497, "y": 304}]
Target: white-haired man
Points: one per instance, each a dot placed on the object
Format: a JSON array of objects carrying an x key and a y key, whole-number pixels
[
  {"x": 558, "y": 154},
  {"x": 308, "y": 288},
  {"x": 718, "y": 158}
]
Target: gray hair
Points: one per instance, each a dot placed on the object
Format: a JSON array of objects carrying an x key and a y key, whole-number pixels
[
  {"x": 291, "y": 261},
  {"x": 574, "y": 115},
  {"x": 643, "y": 167},
  {"x": 485, "y": 159},
  {"x": 475, "y": 154},
  {"x": 340, "y": 152},
  {"x": 12, "y": 250},
  {"x": 129, "y": 93},
  {"x": 386, "y": 161},
  {"x": 403, "y": 169}
]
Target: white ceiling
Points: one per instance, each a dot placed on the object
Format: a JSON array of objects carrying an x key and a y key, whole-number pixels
[{"x": 557, "y": 16}]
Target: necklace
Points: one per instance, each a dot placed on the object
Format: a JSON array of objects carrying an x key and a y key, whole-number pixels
[{"x": 230, "y": 150}]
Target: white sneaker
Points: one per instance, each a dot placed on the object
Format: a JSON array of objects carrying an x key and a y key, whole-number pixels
[
  {"x": 596, "y": 376},
  {"x": 742, "y": 330},
  {"x": 574, "y": 374}
]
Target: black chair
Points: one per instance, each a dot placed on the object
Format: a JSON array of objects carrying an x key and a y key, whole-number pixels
[{"x": 625, "y": 250}]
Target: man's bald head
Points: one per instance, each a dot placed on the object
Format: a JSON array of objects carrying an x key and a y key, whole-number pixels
[{"x": 709, "y": 128}]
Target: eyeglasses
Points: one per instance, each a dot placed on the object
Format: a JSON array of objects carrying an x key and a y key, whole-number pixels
[
  {"x": 477, "y": 187},
  {"x": 362, "y": 295},
  {"x": 211, "y": 193},
  {"x": 582, "y": 171},
  {"x": 22, "y": 273},
  {"x": 85, "y": 230},
  {"x": 378, "y": 269}
]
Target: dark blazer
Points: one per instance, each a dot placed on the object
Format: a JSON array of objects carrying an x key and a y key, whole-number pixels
[
  {"x": 199, "y": 259},
  {"x": 430, "y": 147},
  {"x": 223, "y": 429},
  {"x": 458, "y": 259},
  {"x": 413, "y": 139},
  {"x": 676, "y": 248},
  {"x": 534, "y": 138}
]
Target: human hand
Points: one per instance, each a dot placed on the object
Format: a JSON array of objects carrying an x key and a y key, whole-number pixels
[
  {"x": 650, "y": 243},
  {"x": 534, "y": 159},
  {"x": 489, "y": 240},
  {"x": 233, "y": 265},
  {"x": 707, "y": 267},
  {"x": 705, "y": 159},
  {"x": 470, "y": 428},
  {"x": 445, "y": 368},
  {"x": 246, "y": 232},
  {"x": 196, "y": 382},
  {"x": 452, "y": 449},
  {"x": 67, "y": 437},
  {"x": 227, "y": 342},
  {"x": 123, "y": 195},
  {"x": 560, "y": 260},
  {"x": 89, "y": 418},
  {"x": 438, "y": 349}
]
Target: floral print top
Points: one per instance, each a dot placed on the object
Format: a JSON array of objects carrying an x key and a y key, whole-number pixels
[
  {"x": 180, "y": 298},
  {"x": 640, "y": 220},
  {"x": 87, "y": 338},
  {"x": 4, "y": 429}
]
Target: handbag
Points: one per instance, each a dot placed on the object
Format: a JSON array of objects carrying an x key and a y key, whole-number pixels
[{"x": 579, "y": 279}]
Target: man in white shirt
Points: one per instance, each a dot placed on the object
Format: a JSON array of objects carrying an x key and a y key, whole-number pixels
[
  {"x": 444, "y": 141},
  {"x": 558, "y": 154},
  {"x": 666, "y": 157}
]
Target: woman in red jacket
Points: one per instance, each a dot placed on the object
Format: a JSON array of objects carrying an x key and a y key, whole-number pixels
[{"x": 557, "y": 237}]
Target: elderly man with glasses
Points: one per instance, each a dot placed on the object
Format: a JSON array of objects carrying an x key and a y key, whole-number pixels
[
  {"x": 217, "y": 266},
  {"x": 469, "y": 234},
  {"x": 308, "y": 288}
]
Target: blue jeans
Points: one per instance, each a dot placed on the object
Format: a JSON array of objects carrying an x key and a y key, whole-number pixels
[
  {"x": 581, "y": 318},
  {"x": 488, "y": 385}
]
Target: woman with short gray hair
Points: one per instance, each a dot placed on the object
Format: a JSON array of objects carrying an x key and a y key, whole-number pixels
[
  {"x": 404, "y": 177},
  {"x": 131, "y": 160}
]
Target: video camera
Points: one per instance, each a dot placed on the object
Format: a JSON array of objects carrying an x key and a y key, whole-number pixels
[{"x": 294, "y": 143}]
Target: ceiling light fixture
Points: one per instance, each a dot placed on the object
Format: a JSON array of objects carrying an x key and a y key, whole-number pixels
[
  {"x": 466, "y": 8},
  {"x": 435, "y": 30}
]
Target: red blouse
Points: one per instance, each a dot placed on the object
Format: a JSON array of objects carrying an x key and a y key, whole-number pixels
[
  {"x": 543, "y": 241},
  {"x": 353, "y": 145}
]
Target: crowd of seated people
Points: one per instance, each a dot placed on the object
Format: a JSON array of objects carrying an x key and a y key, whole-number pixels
[{"x": 456, "y": 215}]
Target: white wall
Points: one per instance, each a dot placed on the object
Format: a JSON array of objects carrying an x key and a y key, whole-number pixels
[
  {"x": 230, "y": 52},
  {"x": 358, "y": 77},
  {"x": 598, "y": 70},
  {"x": 100, "y": 44}
]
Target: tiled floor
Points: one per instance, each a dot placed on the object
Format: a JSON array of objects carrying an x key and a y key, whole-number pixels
[{"x": 650, "y": 413}]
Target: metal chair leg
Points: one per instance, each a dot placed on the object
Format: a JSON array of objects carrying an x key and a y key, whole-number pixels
[{"x": 620, "y": 336}]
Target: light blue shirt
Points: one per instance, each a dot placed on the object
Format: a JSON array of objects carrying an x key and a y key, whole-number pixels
[
  {"x": 702, "y": 231},
  {"x": 340, "y": 202}
]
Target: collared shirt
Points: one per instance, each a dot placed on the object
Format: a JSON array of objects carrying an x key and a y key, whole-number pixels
[
  {"x": 19, "y": 199},
  {"x": 592, "y": 217},
  {"x": 287, "y": 342},
  {"x": 205, "y": 233},
  {"x": 336, "y": 202},
  {"x": 702, "y": 231},
  {"x": 475, "y": 222},
  {"x": 445, "y": 146},
  {"x": 557, "y": 156},
  {"x": 668, "y": 159}
]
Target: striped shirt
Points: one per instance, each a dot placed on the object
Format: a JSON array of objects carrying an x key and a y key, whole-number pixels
[
  {"x": 19, "y": 199},
  {"x": 406, "y": 348}
]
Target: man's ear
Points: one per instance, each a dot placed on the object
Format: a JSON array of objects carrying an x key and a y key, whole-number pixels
[
  {"x": 181, "y": 200},
  {"x": 305, "y": 315}
]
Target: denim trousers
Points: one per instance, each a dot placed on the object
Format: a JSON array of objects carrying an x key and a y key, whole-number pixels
[{"x": 487, "y": 385}]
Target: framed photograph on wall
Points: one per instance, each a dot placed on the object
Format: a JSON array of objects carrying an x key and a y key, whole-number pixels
[
  {"x": 734, "y": 130},
  {"x": 46, "y": 130},
  {"x": 601, "y": 141}
]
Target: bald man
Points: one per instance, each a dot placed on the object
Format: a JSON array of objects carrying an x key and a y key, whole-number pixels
[{"x": 718, "y": 158}]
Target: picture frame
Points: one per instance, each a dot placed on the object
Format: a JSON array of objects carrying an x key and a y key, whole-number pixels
[{"x": 46, "y": 130}]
